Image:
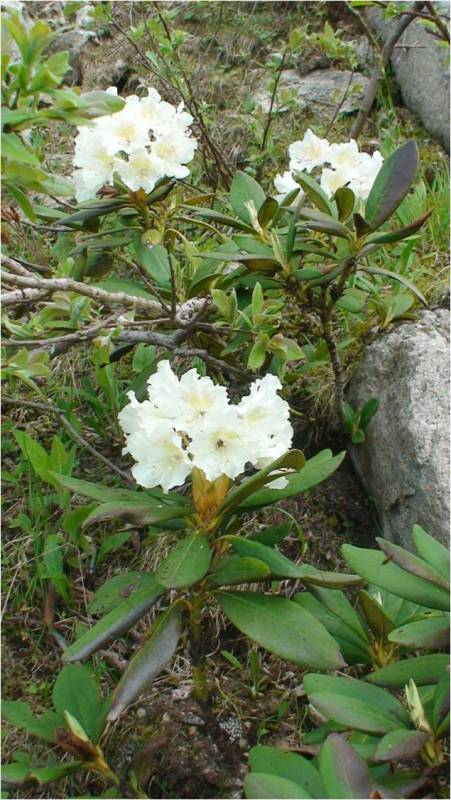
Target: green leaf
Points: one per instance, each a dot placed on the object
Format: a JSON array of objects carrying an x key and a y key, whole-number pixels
[
  {"x": 392, "y": 183},
  {"x": 221, "y": 219},
  {"x": 411, "y": 563},
  {"x": 99, "y": 209},
  {"x": 257, "y": 355},
  {"x": 21, "y": 716},
  {"x": 432, "y": 551},
  {"x": 272, "y": 535},
  {"x": 116, "y": 622},
  {"x": 233, "y": 570},
  {"x": 432, "y": 633},
  {"x": 355, "y": 704},
  {"x": 112, "y": 543},
  {"x": 53, "y": 564},
  {"x": 107, "y": 494},
  {"x": 315, "y": 470},
  {"x": 14, "y": 149},
  {"x": 400, "y": 745},
  {"x": 187, "y": 563},
  {"x": 145, "y": 513},
  {"x": 76, "y": 691},
  {"x": 245, "y": 189},
  {"x": 21, "y": 200},
  {"x": 440, "y": 704},
  {"x": 262, "y": 786},
  {"x": 421, "y": 669},
  {"x": 35, "y": 454},
  {"x": 353, "y": 300},
  {"x": 378, "y": 621},
  {"x": 314, "y": 192},
  {"x": 237, "y": 496},
  {"x": 112, "y": 592},
  {"x": 291, "y": 766},
  {"x": 317, "y": 221},
  {"x": 370, "y": 564},
  {"x": 345, "y": 200},
  {"x": 396, "y": 276},
  {"x": 133, "y": 288},
  {"x": 149, "y": 661},
  {"x": 343, "y": 772},
  {"x": 338, "y": 604},
  {"x": 155, "y": 261},
  {"x": 278, "y": 564},
  {"x": 270, "y": 621},
  {"x": 267, "y": 211},
  {"x": 25, "y": 775},
  {"x": 388, "y": 237},
  {"x": 355, "y": 651}
]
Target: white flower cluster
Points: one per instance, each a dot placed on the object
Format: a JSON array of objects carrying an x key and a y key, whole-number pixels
[
  {"x": 347, "y": 166},
  {"x": 145, "y": 141},
  {"x": 189, "y": 422}
]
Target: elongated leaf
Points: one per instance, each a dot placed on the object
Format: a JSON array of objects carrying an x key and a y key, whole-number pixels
[
  {"x": 378, "y": 621},
  {"x": 272, "y": 535},
  {"x": 76, "y": 691},
  {"x": 338, "y": 604},
  {"x": 135, "y": 513},
  {"x": 440, "y": 704},
  {"x": 278, "y": 564},
  {"x": 267, "y": 211},
  {"x": 431, "y": 633},
  {"x": 115, "y": 623},
  {"x": 262, "y": 786},
  {"x": 25, "y": 775},
  {"x": 343, "y": 772},
  {"x": 370, "y": 564},
  {"x": 221, "y": 219},
  {"x": 282, "y": 627},
  {"x": 314, "y": 192},
  {"x": 396, "y": 276},
  {"x": 244, "y": 189},
  {"x": 293, "y": 459},
  {"x": 400, "y": 745},
  {"x": 91, "y": 212},
  {"x": 234, "y": 569},
  {"x": 149, "y": 661},
  {"x": 392, "y": 183},
  {"x": 186, "y": 564},
  {"x": 432, "y": 551},
  {"x": 21, "y": 199},
  {"x": 345, "y": 200},
  {"x": 422, "y": 669},
  {"x": 411, "y": 563},
  {"x": 330, "y": 580},
  {"x": 354, "y": 650},
  {"x": 317, "y": 221},
  {"x": 106, "y": 494},
  {"x": 389, "y": 237},
  {"x": 355, "y": 703},
  {"x": 291, "y": 766},
  {"x": 113, "y": 591},
  {"x": 315, "y": 470}
]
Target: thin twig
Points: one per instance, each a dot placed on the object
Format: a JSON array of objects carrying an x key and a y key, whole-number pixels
[
  {"x": 47, "y": 408},
  {"x": 361, "y": 22},
  {"x": 437, "y": 19},
  {"x": 379, "y": 69},
  {"x": 273, "y": 98}
]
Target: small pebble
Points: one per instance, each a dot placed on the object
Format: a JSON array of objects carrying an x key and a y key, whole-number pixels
[
  {"x": 141, "y": 713},
  {"x": 182, "y": 693},
  {"x": 192, "y": 719}
]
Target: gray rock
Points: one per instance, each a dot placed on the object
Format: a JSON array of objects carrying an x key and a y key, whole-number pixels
[
  {"x": 404, "y": 462},
  {"x": 421, "y": 68},
  {"x": 322, "y": 90}
]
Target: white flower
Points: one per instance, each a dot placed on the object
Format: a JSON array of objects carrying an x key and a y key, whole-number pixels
[
  {"x": 285, "y": 183},
  {"x": 136, "y": 416},
  {"x": 172, "y": 153},
  {"x": 366, "y": 173},
  {"x": 161, "y": 459},
  {"x": 126, "y": 130},
  {"x": 266, "y": 415},
  {"x": 201, "y": 399},
  {"x": 164, "y": 392},
  {"x": 87, "y": 184},
  {"x": 220, "y": 447},
  {"x": 141, "y": 171},
  {"x": 332, "y": 179},
  {"x": 308, "y": 153},
  {"x": 344, "y": 156}
]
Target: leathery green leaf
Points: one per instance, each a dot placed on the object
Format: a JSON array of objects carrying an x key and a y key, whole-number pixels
[
  {"x": 422, "y": 669},
  {"x": 186, "y": 564},
  {"x": 263, "y": 786},
  {"x": 392, "y": 184},
  {"x": 343, "y": 772},
  {"x": 150, "y": 659},
  {"x": 271, "y": 622},
  {"x": 399, "y": 745}
]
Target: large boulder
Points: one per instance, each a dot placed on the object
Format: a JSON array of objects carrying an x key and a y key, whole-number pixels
[
  {"x": 322, "y": 90},
  {"x": 404, "y": 462},
  {"x": 421, "y": 68}
]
